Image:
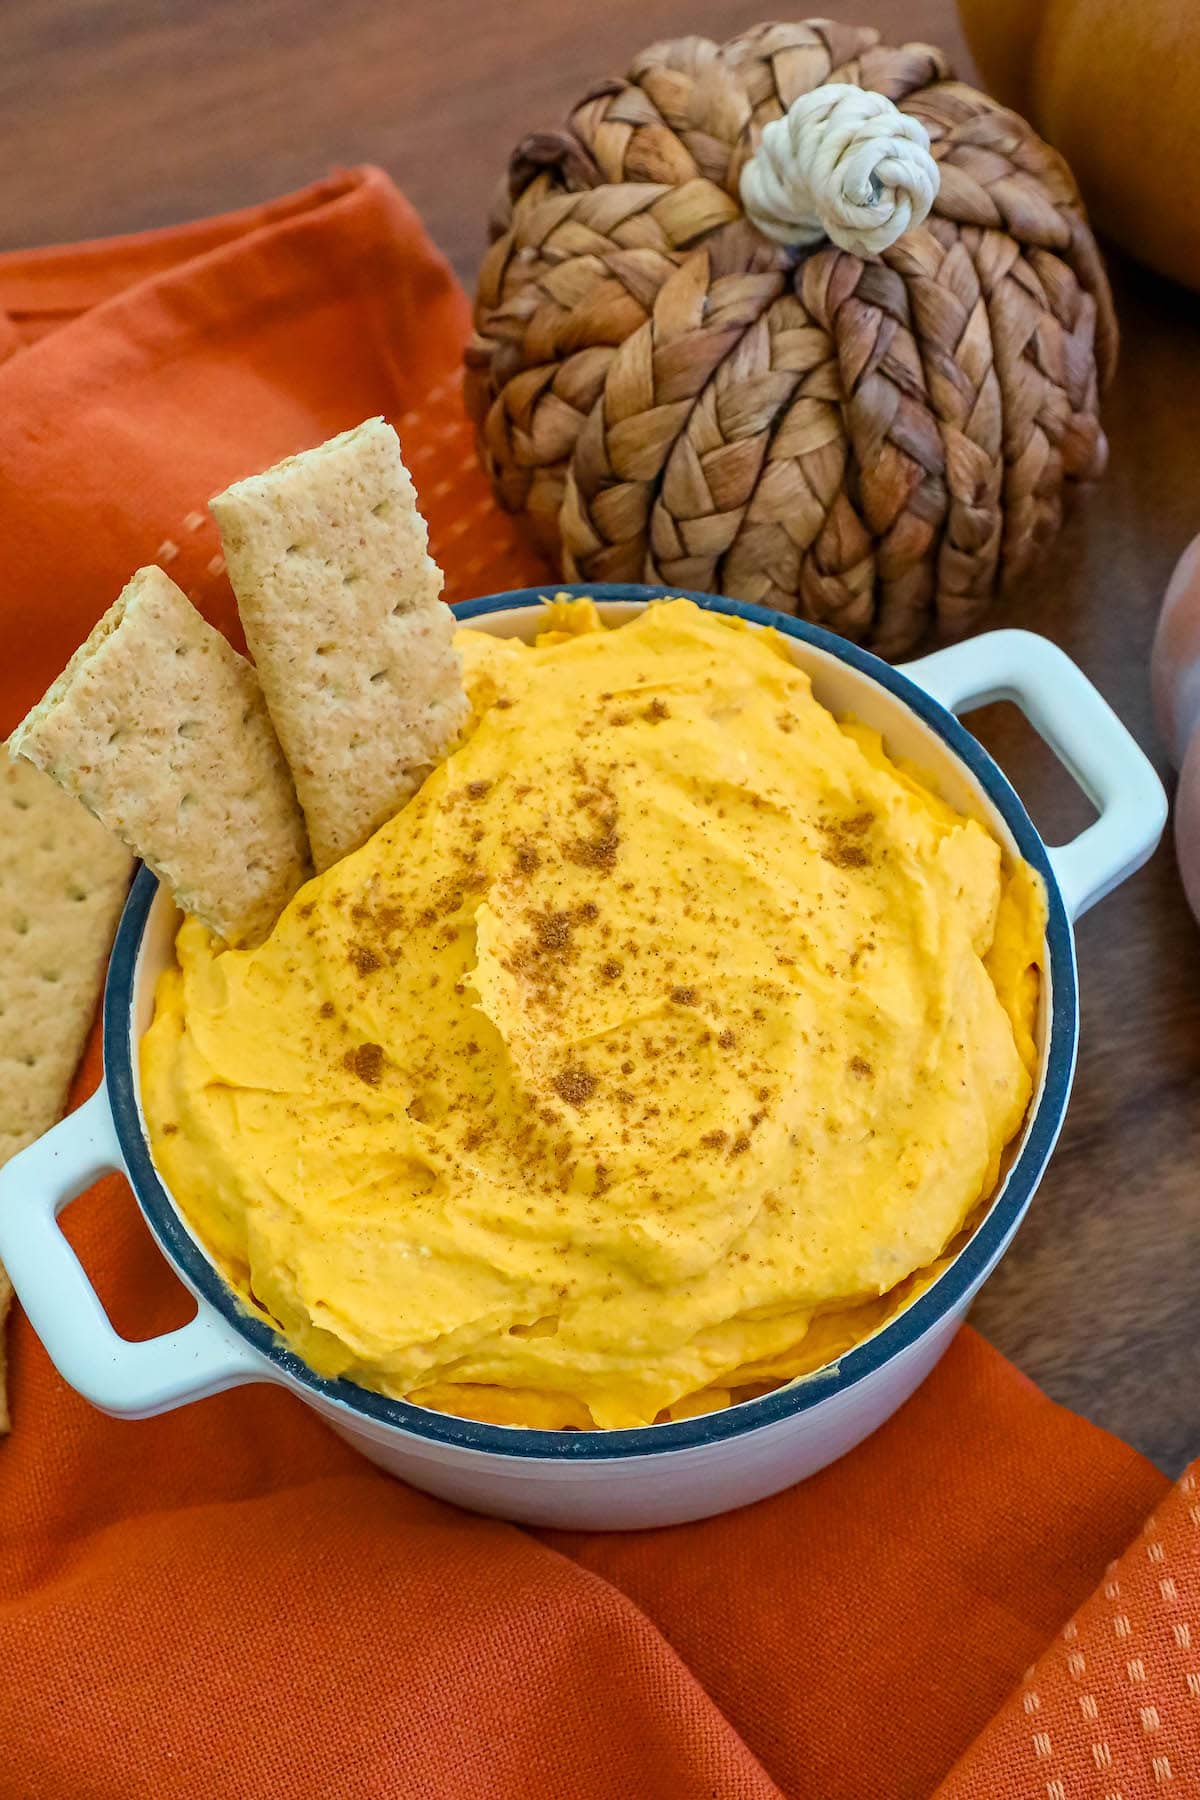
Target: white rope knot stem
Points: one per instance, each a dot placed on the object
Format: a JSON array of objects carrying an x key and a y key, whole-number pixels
[{"x": 843, "y": 163}]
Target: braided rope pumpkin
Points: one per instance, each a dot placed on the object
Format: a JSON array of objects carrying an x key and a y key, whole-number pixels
[{"x": 876, "y": 442}]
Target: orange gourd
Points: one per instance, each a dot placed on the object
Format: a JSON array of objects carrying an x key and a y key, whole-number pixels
[{"x": 1113, "y": 84}]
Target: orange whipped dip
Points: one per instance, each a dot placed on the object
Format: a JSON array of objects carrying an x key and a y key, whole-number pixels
[{"x": 654, "y": 1054}]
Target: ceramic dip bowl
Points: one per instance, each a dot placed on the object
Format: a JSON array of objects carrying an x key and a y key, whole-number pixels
[{"x": 656, "y": 1474}]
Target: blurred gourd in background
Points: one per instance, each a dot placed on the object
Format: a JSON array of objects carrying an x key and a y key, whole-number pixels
[
  {"x": 798, "y": 319},
  {"x": 1175, "y": 673},
  {"x": 1114, "y": 85}
]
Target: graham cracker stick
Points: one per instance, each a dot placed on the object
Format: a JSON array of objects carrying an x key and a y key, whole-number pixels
[
  {"x": 62, "y": 886},
  {"x": 328, "y": 558},
  {"x": 158, "y": 726}
]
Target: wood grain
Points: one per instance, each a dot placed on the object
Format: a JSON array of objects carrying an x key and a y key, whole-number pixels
[{"x": 115, "y": 116}]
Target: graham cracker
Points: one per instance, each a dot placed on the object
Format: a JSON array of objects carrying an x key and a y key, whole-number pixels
[
  {"x": 328, "y": 557},
  {"x": 62, "y": 886},
  {"x": 158, "y": 726}
]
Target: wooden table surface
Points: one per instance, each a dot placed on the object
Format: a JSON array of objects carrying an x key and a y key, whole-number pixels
[{"x": 120, "y": 114}]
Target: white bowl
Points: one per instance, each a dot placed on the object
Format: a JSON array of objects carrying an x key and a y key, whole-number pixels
[{"x": 656, "y": 1474}]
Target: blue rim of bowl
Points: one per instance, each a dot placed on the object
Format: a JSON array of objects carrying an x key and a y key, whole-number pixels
[{"x": 519, "y": 1442}]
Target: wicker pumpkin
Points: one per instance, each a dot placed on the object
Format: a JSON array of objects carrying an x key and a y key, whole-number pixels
[{"x": 875, "y": 438}]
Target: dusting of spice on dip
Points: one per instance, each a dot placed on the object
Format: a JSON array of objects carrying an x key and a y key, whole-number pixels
[{"x": 650, "y": 1056}]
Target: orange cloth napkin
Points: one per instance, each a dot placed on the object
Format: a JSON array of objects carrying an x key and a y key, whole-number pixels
[{"x": 226, "y": 1600}]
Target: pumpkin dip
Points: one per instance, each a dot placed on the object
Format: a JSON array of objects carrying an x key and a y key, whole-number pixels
[{"x": 654, "y": 1052}]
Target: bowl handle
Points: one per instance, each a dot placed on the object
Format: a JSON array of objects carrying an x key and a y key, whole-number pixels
[
  {"x": 130, "y": 1380},
  {"x": 1085, "y": 734}
]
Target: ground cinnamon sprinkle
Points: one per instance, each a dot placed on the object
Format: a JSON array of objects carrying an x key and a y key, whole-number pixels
[
  {"x": 596, "y": 853},
  {"x": 553, "y": 930},
  {"x": 575, "y": 1085},
  {"x": 542, "y": 957},
  {"x": 384, "y": 920},
  {"x": 365, "y": 1061},
  {"x": 841, "y": 846}
]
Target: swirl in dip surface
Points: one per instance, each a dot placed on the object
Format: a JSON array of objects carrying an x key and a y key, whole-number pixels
[{"x": 645, "y": 1059}]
